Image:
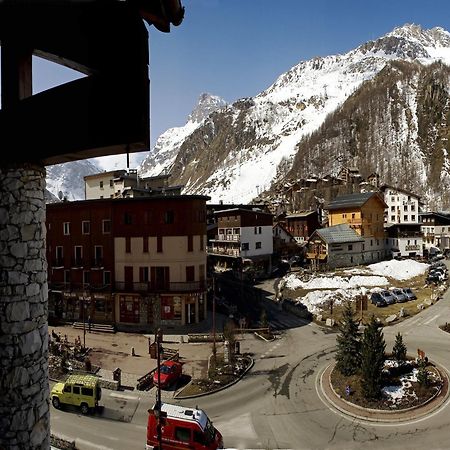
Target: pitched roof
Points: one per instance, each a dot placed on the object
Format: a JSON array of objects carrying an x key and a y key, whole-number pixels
[
  {"x": 352, "y": 200},
  {"x": 338, "y": 234},
  {"x": 300, "y": 214}
]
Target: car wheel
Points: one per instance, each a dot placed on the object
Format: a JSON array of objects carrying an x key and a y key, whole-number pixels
[
  {"x": 56, "y": 403},
  {"x": 84, "y": 408}
]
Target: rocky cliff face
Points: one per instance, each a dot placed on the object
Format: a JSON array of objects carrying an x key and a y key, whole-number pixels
[{"x": 239, "y": 151}]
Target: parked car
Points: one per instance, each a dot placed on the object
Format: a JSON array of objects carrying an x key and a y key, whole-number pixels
[
  {"x": 438, "y": 273},
  {"x": 399, "y": 295},
  {"x": 388, "y": 297},
  {"x": 83, "y": 391},
  {"x": 433, "y": 278},
  {"x": 409, "y": 294},
  {"x": 377, "y": 299},
  {"x": 170, "y": 373}
]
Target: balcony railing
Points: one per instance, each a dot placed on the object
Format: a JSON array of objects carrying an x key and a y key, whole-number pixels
[
  {"x": 228, "y": 237},
  {"x": 316, "y": 255},
  {"x": 224, "y": 251},
  {"x": 78, "y": 287},
  {"x": 183, "y": 286}
]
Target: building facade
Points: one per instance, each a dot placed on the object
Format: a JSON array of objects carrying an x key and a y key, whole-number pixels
[
  {"x": 302, "y": 225},
  {"x": 402, "y": 206},
  {"x": 245, "y": 235},
  {"x": 335, "y": 246},
  {"x": 131, "y": 262},
  {"x": 404, "y": 240},
  {"x": 364, "y": 213},
  {"x": 435, "y": 228}
]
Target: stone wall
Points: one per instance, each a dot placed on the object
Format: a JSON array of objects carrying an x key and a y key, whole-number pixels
[{"x": 24, "y": 388}]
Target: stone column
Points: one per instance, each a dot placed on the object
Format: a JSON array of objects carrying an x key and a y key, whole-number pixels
[{"x": 24, "y": 388}]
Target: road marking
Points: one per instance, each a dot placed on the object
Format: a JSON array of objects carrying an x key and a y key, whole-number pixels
[
  {"x": 431, "y": 320},
  {"x": 92, "y": 445},
  {"x": 124, "y": 396}
]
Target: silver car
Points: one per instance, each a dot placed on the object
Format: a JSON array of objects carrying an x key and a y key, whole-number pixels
[
  {"x": 409, "y": 294},
  {"x": 388, "y": 297},
  {"x": 399, "y": 295}
]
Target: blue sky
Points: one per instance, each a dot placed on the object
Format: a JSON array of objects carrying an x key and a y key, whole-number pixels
[{"x": 237, "y": 48}]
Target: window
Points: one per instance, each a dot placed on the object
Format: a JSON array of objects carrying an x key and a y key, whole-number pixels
[
  {"x": 101, "y": 184},
  {"x": 392, "y": 208},
  {"x": 86, "y": 277},
  {"x": 169, "y": 217},
  {"x": 245, "y": 246},
  {"x": 392, "y": 218},
  {"x": 190, "y": 243},
  {"x": 190, "y": 273},
  {"x": 66, "y": 228},
  {"x": 143, "y": 275},
  {"x": 127, "y": 244},
  {"x": 353, "y": 215},
  {"x": 392, "y": 199},
  {"x": 67, "y": 388},
  {"x": 87, "y": 391},
  {"x": 106, "y": 226},
  {"x": 59, "y": 254},
  {"x": 413, "y": 207},
  {"x": 378, "y": 242},
  {"x": 145, "y": 244},
  {"x": 256, "y": 230},
  {"x": 183, "y": 434},
  {"x": 98, "y": 254},
  {"x": 76, "y": 390},
  {"x": 78, "y": 254},
  {"x": 236, "y": 231},
  {"x": 351, "y": 259},
  {"x": 371, "y": 243},
  {"x": 405, "y": 218},
  {"x": 413, "y": 218},
  {"x": 258, "y": 245},
  {"x": 350, "y": 247},
  {"x": 111, "y": 183},
  {"x": 405, "y": 208},
  {"x": 106, "y": 277},
  {"x": 85, "y": 227},
  {"x": 159, "y": 244},
  {"x": 67, "y": 276},
  {"x": 127, "y": 218}
]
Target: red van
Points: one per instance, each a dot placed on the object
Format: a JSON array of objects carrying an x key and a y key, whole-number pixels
[{"x": 182, "y": 428}]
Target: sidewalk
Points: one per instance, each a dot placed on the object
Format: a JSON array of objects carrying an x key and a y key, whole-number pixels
[{"x": 114, "y": 350}]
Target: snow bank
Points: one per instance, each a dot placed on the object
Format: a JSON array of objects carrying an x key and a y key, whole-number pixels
[
  {"x": 337, "y": 282},
  {"x": 400, "y": 270}
]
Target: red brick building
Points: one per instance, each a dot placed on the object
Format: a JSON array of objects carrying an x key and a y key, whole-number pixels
[{"x": 138, "y": 262}]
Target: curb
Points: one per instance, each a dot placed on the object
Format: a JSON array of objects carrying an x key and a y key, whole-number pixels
[
  {"x": 402, "y": 415},
  {"x": 203, "y": 394}
]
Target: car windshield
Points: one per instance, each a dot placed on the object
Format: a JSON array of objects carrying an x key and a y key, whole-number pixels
[{"x": 165, "y": 369}]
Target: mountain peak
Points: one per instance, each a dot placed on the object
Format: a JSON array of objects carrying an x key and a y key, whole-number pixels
[{"x": 207, "y": 103}]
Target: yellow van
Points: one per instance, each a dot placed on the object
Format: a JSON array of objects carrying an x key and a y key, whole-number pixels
[{"x": 83, "y": 391}]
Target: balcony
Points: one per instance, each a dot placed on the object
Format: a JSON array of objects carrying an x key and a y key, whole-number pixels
[
  {"x": 313, "y": 255},
  {"x": 227, "y": 238},
  {"x": 148, "y": 287},
  {"x": 233, "y": 252}
]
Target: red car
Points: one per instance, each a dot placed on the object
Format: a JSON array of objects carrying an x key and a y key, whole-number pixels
[{"x": 170, "y": 372}]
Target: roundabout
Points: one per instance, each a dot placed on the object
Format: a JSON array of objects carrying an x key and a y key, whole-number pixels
[{"x": 338, "y": 403}]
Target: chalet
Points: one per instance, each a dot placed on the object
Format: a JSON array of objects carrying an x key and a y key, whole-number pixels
[
  {"x": 243, "y": 234},
  {"x": 302, "y": 224},
  {"x": 363, "y": 212},
  {"x": 335, "y": 246},
  {"x": 404, "y": 240},
  {"x": 435, "y": 228},
  {"x": 402, "y": 206}
]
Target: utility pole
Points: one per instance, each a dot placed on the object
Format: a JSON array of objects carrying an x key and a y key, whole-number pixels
[
  {"x": 214, "y": 320},
  {"x": 157, "y": 409}
]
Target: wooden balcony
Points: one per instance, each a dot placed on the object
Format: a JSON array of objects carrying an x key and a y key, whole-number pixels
[{"x": 320, "y": 256}]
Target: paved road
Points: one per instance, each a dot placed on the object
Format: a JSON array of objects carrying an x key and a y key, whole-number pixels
[{"x": 278, "y": 404}]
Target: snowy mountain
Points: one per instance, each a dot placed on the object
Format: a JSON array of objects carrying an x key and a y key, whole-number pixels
[
  {"x": 237, "y": 151},
  {"x": 163, "y": 154},
  {"x": 321, "y": 114},
  {"x": 66, "y": 180}
]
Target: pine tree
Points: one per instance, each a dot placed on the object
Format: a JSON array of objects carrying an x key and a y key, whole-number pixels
[
  {"x": 422, "y": 375},
  {"x": 372, "y": 360},
  {"x": 399, "y": 350},
  {"x": 348, "y": 357}
]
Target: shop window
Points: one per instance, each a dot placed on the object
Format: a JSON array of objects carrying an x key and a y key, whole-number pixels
[{"x": 177, "y": 308}]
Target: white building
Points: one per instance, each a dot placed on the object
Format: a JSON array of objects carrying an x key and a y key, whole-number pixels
[{"x": 402, "y": 206}]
